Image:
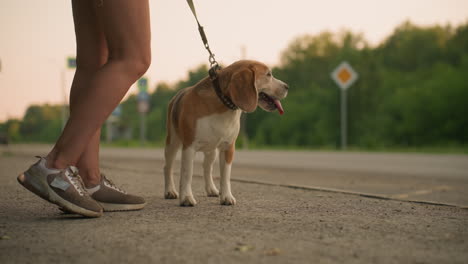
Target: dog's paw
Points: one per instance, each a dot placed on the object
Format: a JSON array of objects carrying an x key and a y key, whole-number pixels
[
  {"x": 171, "y": 195},
  {"x": 187, "y": 201},
  {"x": 212, "y": 192},
  {"x": 227, "y": 200}
]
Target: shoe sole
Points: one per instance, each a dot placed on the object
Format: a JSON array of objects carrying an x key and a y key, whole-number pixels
[
  {"x": 43, "y": 190},
  {"x": 109, "y": 207}
]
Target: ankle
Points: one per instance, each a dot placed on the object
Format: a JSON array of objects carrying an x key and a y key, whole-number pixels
[
  {"x": 54, "y": 162},
  {"x": 91, "y": 177}
]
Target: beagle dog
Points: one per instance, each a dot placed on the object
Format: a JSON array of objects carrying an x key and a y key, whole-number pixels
[{"x": 198, "y": 120}]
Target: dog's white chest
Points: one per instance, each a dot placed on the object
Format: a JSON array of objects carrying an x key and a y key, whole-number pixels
[{"x": 216, "y": 131}]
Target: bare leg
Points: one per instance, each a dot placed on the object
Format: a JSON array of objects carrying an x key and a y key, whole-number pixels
[
  {"x": 88, "y": 164},
  {"x": 127, "y": 31},
  {"x": 92, "y": 54}
]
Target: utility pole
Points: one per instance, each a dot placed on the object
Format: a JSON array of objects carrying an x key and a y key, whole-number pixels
[
  {"x": 143, "y": 106},
  {"x": 243, "y": 119},
  {"x": 64, "y": 94}
]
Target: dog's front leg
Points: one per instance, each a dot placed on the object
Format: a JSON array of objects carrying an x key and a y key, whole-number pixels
[
  {"x": 186, "y": 171},
  {"x": 225, "y": 162},
  {"x": 210, "y": 187}
]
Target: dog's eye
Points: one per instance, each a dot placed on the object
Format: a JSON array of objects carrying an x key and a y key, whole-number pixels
[{"x": 268, "y": 74}]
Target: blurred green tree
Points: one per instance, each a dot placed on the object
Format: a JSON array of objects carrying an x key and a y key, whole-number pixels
[{"x": 411, "y": 92}]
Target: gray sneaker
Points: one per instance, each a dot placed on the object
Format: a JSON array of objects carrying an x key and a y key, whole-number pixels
[
  {"x": 112, "y": 198},
  {"x": 61, "y": 187}
]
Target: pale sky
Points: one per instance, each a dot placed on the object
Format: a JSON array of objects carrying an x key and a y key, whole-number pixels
[{"x": 38, "y": 35}]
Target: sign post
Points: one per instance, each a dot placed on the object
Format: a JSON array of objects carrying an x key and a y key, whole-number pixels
[
  {"x": 70, "y": 65},
  {"x": 344, "y": 76},
  {"x": 143, "y": 106},
  {"x": 114, "y": 117}
]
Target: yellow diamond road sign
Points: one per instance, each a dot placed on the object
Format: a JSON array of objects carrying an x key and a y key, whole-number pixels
[{"x": 344, "y": 75}]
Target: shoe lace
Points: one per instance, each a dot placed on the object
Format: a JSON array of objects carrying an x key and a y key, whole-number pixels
[
  {"x": 75, "y": 179},
  {"x": 110, "y": 184}
]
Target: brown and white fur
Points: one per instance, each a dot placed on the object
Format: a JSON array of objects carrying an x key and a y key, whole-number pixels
[{"x": 197, "y": 121}]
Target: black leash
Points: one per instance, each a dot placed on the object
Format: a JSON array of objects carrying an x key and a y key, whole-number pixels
[{"x": 214, "y": 66}]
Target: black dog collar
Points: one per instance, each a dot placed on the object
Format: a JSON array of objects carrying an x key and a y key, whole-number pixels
[{"x": 224, "y": 99}]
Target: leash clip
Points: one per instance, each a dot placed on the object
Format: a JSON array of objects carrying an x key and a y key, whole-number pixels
[
  {"x": 212, "y": 59},
  {"x": 213, "y": 70}
]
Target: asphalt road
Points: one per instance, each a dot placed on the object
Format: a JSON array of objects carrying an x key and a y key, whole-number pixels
[
  {"x": 272, "y": 222},
  {"x": 416, "y": 177}
]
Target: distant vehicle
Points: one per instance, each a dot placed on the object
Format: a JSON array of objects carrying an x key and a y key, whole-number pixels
[{"x": 4, "y": 139}]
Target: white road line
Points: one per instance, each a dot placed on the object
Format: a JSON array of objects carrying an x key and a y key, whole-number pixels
[{"x": 440, "y": 188}]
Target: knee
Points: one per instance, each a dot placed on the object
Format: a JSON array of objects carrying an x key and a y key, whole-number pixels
[
  {"x": 90, "y": 63},
  {"x": 135, "y": 65},
  {"x": 141, "y": 64}
]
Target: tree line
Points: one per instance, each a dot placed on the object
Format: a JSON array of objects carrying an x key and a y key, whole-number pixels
[{"x": 412, "y": 92}]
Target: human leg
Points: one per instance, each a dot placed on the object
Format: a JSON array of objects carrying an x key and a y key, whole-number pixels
[
  {"x": 126, "y": 28},
  {"x": 91, "y": 55}
]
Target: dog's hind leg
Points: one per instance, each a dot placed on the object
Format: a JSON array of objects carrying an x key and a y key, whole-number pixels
[
  {"x": 170, "y": 153},
  {"x": 210, "y": 187},
  {"x": 186, "y": 171}
]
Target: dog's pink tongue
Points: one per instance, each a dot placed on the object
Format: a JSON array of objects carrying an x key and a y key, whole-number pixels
[{"x": 279, "y": 106}]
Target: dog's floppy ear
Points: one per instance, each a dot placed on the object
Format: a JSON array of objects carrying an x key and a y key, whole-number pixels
[{"x": 242, "y": 90}]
